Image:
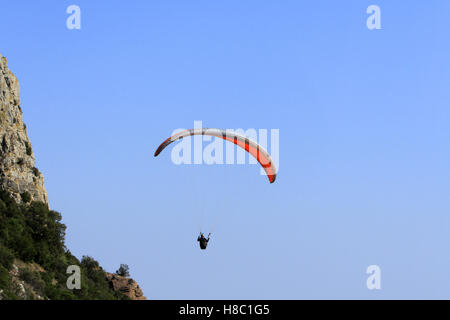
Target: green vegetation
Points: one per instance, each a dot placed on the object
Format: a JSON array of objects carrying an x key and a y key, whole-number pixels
[
  {"x": 123, "y": 271},
  {"x": 25, "y": 196},
  {"x": 32, "y": 234}
]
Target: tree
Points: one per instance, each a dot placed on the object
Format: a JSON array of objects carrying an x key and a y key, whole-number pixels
[{"x": 123, "y": 271}]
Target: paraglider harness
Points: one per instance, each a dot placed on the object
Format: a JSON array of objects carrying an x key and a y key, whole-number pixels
[{"x": 203, "y": 241}]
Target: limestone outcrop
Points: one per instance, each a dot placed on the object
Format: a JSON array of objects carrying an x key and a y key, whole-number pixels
[
  {"x": 18, "y": 173},
  {"x": 25, "y": 183},
  {"x": 126, "y": 286}
]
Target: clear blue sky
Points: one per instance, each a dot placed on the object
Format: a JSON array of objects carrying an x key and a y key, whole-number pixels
[{"x": 364, "y": 141}]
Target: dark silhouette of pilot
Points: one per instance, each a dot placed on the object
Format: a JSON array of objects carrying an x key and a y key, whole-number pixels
[{"x": 203, "y": 241}]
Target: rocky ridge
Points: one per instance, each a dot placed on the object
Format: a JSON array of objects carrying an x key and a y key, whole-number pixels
[
  {"x": 18, "y": 173},
  {"x": 25, "y": 183},
  {"x": 126, "y": 286}
]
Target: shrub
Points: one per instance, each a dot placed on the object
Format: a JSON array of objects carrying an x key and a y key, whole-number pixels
[
  {"x": 4, "y": 278},
  {"x": 33, "y": 279},
  {"x": 123, "y": 271},
  {"x": 6, "y": 257},
  {"x": 26, "y": 197}
]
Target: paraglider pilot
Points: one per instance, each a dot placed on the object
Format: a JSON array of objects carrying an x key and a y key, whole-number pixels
[{"x": 203, "y": 241}]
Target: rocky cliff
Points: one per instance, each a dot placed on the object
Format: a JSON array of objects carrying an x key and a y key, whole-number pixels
[
  {"x": 126, "y": 286},
  {"x": 18, "y": 173},
  {"x": 33, "y": 244}
]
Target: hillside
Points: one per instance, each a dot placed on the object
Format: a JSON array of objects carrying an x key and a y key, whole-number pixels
[{"x": 33, "y": 255}]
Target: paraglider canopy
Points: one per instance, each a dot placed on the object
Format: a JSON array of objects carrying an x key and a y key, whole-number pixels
[{"x": 258, "y": 152}]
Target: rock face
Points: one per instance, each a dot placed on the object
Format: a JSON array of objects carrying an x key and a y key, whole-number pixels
[
  {"x": 126, "y": 286},
  {"x": 24, "y": 290},
  {"x": 20, "y": 177},
  {"x": 18, "y": 174}
]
